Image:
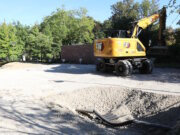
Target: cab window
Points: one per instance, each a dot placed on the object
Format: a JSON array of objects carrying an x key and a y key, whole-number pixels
[{"x": 139, "y": 48}]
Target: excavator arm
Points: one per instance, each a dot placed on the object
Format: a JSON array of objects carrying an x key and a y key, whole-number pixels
[{"x": 144, "y": 23}]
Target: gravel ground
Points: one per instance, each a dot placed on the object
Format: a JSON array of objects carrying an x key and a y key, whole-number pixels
[{"x": 40, "y": 99}]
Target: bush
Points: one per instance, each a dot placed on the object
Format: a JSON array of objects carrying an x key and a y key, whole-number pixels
[
  {"x": 2, "y": 63},
  {"x": 171, "y": 60},
  {"x": 170, "y": 36},
  {"x": 174, "y": 52}
]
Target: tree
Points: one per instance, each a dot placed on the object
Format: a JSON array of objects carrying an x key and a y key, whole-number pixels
[
  {"x": 70, "y": 27},
  {"x": 22, "y": 34},
  {"x": 54, "y": 26},
  {"x": 148, "y": 8},
  {"x": 14, "y": 50},
  {"x": 9, "y": 47},
  {"x": 174, "y": 49},
  {"x": 154, "y": 7},
  {"x": 174, "y": 6},
  {"x": 44, "y": 46},
  {"x": 124, "y": 13},
  {"x": 67, "y": 28},
  {"x": 170, "y": 36},
  {"x": 4, "y": 41},
  {"x": 145, "y": 8},
  {"x": 31, "y": 42},
  {"x": 38, "y": 45},
  {"x": 177, "y": 36},
  {"x": 98, "y": 30}
]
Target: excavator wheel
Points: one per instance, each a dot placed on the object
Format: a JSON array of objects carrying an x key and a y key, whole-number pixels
[
  {"x": 100, "y": 65},
  {"x": 147, "y": 67},
  {"x": 122, "y": 68},
  {"x": 130, "y": 67}
]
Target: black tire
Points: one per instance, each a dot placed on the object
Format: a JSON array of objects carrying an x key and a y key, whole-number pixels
[
  {"x": 100, "y": 65},
  {"x": 130, "y": 67},
  {"x": 121, "y": 68},
  {"x": 147, "y": 67}
]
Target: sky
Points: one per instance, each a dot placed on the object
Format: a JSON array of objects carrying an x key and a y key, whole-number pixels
[{"x": 29, "y": 12}]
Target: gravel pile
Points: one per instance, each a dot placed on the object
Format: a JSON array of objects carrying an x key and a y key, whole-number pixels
[
  {"x": 164, "y": 109},
  {"x": 104, "y": 99}
]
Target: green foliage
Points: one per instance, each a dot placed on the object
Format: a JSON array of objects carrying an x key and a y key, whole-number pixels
[
  {"x": 13, "y": 49},
  {"x": 39, "y": 46},
  {"x": 98, "y": 30},
  {"x": 4, "y": 41},
  {"x": 43, "y": 42},
  {"x": 9, "y": 49},
  {"x": 145, "y": 6},
  {"x": 177, "y": 36},
  {"x": 69, "y": 27},
  {"x": 148, "y": 7},
  {"x": 174, "y": 49},
  {"x": 2, "y": 63},
  {"x": 154, "y": 6},
  {"x": 175, "y": 52},
  {"x": 124, "y": 13},
  {"x": 174, "y": 7},
  {"x": 170, "y": 38},
  {"x": 21, "y": 33}
]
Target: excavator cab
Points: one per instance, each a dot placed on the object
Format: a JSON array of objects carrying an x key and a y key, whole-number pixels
[{"x": 118, "y": 34}]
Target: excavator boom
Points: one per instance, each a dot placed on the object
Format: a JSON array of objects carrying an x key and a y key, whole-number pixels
[{"x": 144, "y": 23}]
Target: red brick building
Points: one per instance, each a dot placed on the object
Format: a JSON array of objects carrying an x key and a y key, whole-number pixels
[{"x": 78, "y": 54}]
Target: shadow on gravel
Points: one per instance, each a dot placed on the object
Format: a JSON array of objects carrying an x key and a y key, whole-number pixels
[
  {"x": 43, "y": 121},
  {"x": 169, "y": 75},
  {"x": 78, "y": 69},
  {"x": 72, "y": 69},
  {"x": 168, "y": 117}
]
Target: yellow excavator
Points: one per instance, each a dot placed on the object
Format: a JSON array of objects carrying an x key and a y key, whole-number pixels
[{"x": 125, "y": 54}]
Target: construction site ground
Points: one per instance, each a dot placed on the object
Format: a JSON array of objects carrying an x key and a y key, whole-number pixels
[{"x": 42, "y": 98}]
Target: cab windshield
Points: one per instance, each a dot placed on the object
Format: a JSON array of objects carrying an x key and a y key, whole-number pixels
[{"x": 117, "y": 34}]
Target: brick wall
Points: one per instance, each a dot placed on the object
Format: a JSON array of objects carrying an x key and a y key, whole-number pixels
[{"x": 73, "y": 54}]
